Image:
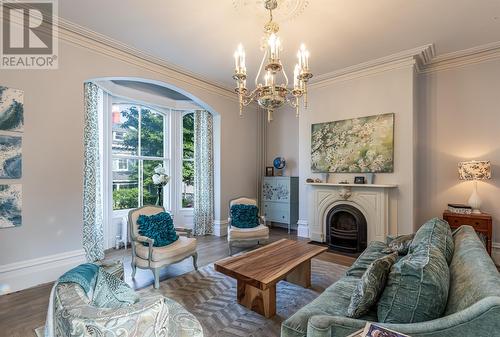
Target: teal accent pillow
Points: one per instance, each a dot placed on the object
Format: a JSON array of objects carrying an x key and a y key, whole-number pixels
[
  {"x": 159, "y": 227},
  {"x": 370, "y": 286},
  {"x": 84, "y": 275},
  {"x": 399, "y": 244},
  {"x": 244, "y": 216},
  {"x": 111, "y": 292},
  {"x": 416, "y": 289},
  {"x": 437, "y": 233}
]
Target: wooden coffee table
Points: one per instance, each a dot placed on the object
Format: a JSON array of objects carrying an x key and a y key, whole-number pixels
[{"x": 258, "y": 271}]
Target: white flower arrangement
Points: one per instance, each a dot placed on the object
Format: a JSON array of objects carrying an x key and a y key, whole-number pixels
[{"x": 160, "y": 178}]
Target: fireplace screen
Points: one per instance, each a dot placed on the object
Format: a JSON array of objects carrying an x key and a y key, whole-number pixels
[{"x": 346, "y": 229}]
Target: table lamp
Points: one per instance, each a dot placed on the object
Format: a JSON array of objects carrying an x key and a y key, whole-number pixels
[{"x": 474, "y": 170}]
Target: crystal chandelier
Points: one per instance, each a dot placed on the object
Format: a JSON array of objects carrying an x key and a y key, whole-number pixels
[{"x": 270, "y": 95}]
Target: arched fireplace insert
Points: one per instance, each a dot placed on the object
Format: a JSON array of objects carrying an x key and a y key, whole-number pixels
[{"x": 346, "y": 229}]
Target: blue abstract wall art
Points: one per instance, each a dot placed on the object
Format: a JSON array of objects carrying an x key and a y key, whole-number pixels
[
  {"x": 10, "y": 205},
  {"x": 11, "y": 109},
  {"x": 10, "y": 157}
]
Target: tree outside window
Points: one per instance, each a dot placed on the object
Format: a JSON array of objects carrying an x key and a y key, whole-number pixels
[{"x": 142, "y": 145}]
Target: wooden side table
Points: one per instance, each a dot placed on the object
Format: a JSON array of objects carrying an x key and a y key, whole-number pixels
[{"x": 482, "y": 223}]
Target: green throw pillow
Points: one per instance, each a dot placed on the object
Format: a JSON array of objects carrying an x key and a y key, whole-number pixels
[
  {"x": 159, "y": 227},
  {"x": 244, "y": 216},
  {"x": 416, "y": 289},
  {"x": 399, "y": 244},
  {"x": 370, "y": 286},
  {"x": 437, "y": 233},
  {"x": 111, "y": 292}
]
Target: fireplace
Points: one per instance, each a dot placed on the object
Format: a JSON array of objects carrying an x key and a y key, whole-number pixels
[{"x": 346, "y": 229}]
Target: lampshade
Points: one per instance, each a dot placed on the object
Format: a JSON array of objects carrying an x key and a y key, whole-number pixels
[{"x": 474, "y": 170}]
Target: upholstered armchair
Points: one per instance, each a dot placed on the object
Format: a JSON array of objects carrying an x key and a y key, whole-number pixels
[
  {"x": 245, "y": 236},
  {"x": 151, "y": 316},
  {"x": 154, "y": 258}
]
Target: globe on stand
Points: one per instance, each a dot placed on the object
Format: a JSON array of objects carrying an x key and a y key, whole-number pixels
[{"x": 279, "y": 164}]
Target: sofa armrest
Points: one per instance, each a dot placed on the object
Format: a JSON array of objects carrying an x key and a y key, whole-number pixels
[
  {"x": 149, "y": 312},
  {"x": 262, "y": 220},
  {"x": 480, "y": 319}
]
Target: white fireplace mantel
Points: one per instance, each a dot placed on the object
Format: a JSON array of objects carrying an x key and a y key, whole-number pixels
[{"x": 372, "y": 200}]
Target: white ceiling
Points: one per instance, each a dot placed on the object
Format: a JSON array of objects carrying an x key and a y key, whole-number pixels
[{"x": 201, "y": 35}]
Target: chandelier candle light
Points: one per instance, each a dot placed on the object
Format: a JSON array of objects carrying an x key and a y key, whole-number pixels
[{"x": 271, "y": 95}]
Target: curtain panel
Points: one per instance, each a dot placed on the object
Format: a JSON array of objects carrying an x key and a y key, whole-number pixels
[
  {"x": 203, "y": 173},
  {"x": 93, "y": 232}
]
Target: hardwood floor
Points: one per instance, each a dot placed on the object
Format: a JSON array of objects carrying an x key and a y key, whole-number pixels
[{"x": 23, "y": 311}]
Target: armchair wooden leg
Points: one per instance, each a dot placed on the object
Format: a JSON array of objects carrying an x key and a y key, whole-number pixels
[
  {"x": 134, "y": 268},
  {"x": 230, "y": 252},
  {"x": 156, "y": 272},
  {"x": 195, "y": 258}
]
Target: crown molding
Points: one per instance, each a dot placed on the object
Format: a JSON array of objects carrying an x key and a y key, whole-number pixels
[
  {"x": 464, "y": 57},
  {"x": 417, "y": 57},
  {"x": 83, "y": 37}
]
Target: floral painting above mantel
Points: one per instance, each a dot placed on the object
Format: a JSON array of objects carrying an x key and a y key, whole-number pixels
[{"x": 358, "y": 145}]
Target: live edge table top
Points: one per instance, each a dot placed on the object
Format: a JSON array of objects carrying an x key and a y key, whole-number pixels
[{"x": 265, "y": 266}]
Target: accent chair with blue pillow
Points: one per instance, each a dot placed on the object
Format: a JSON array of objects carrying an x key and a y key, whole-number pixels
[
  {"x": 156, "y": 243},
  {"x": 245, "y": 225}
]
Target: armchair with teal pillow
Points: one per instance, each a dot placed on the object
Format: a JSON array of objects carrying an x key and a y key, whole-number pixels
[
  {"x": 245, "y": 226},
  {"x": 152, "y": 241}
]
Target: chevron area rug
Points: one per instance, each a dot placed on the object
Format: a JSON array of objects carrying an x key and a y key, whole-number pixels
[{"x": 211, "y": 297}]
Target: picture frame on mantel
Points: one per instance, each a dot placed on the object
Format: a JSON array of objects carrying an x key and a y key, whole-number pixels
[{"x": 269, "y": 171}]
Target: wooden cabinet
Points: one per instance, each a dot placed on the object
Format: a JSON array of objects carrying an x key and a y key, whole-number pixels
[
  {"x": 482, "y": 223},
  {"x": 280, "y": 200}
]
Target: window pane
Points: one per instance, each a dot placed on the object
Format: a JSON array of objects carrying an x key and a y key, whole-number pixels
[
  {"x": 151, "y": 133},
  {"x": 188, "y": 136},
  {"x": 187, "y": 184},
  {"x": 125, "y": 129},
  {"x": 150, "y": 191},
  {"x": 126, "y": 186}
]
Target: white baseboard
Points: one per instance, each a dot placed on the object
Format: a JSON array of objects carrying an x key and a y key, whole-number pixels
[
  {"x": 220, "y": 227},
  {"x": 495, "y": 252},
  {"x": 29, "y": 273},
  {"x": 302, "y": 228}
]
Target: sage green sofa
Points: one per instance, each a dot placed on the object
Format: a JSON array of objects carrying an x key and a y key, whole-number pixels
[{"x": 472, "y": 309}]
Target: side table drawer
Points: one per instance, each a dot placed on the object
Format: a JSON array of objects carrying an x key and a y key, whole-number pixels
[{"x": 478, "y": 224}]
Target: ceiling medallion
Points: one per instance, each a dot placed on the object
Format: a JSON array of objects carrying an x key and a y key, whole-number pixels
[
  {"x": 286, "y": 9},
  {"x": 274, "y": 92}
]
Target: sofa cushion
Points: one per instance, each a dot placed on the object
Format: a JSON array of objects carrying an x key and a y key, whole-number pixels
[
  {"x": 416, "y": 289},
  {"x": 111, "y": 292},
  {"x": 182, "y": 247},
  {"x": 333, "y": 301},
  {"x": 260, "y": 232},
  {"x": 436, "y": 232},
  {"x": 473, "y": 273},
  {"x": 399, "y": 244},
  {"x": 159, "y": 227},
  {"x": 370, "y": 254},
  {"x": 244, "y": 216},
  {"x": 370, "y": 286}
]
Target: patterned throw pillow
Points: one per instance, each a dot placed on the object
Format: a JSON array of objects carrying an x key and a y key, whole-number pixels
[
  {"x": 370, "y": 286},
  {"x": 244, "y": 216},
  {"x": 159, "y": 227},
  {"x": 399, "y": 244},
  {"x": 111, "y": 292}
]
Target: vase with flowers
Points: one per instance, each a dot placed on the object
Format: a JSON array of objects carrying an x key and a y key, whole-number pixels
[{"x": 160, "y": 179}]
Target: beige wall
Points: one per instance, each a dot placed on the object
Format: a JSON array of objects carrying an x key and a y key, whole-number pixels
[
  {"x": 283, "y": 140},
  {"x": 458, "y": 119},
  {"x": 386, "y": 92},
  {"x": 53, "y": 148}
]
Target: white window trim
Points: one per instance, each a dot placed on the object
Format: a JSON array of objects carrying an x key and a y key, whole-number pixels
[{"x": 186, "y": 210}]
